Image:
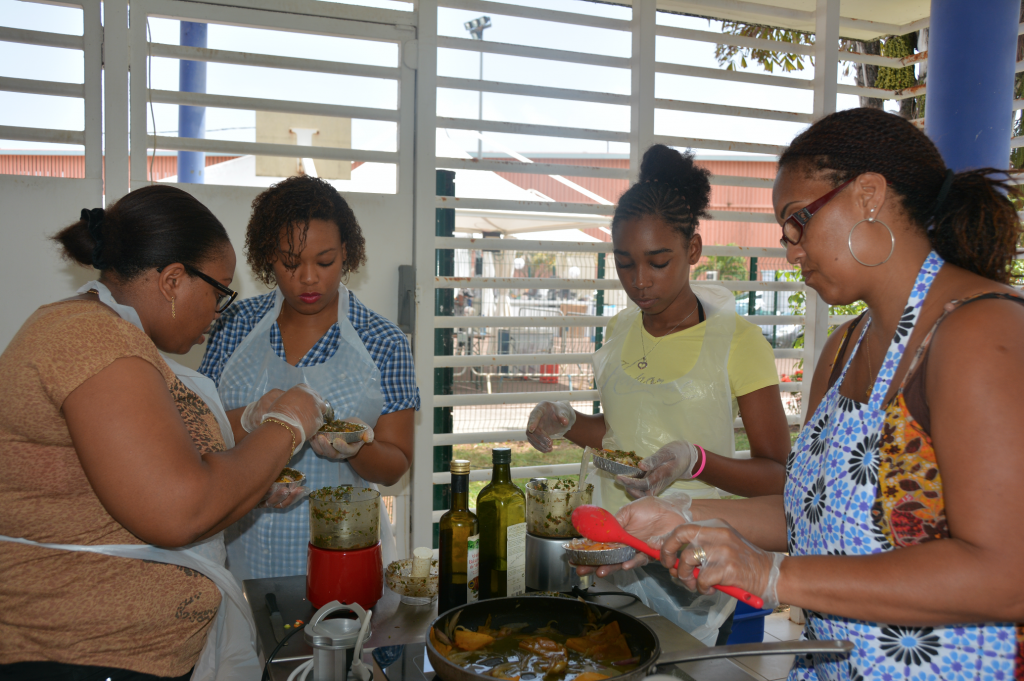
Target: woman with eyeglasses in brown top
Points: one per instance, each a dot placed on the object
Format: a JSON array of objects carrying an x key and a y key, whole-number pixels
[{"x": 117, "y": 466}]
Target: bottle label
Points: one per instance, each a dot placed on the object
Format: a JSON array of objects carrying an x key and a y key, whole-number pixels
[
  {"x": 516, "y": 556},
  {"x": 473, "y": 569}
]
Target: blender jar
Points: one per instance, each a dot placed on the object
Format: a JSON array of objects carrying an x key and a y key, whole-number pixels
[
  {"x": 344, "y": 518},
  {"x": 549, "y": 506}
]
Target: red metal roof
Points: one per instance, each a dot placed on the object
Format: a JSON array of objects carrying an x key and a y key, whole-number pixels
[
  {"x": 73, "y": 166},
  {"x": 714, "y": 232}
]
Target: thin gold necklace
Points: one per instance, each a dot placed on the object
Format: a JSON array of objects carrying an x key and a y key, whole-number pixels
[{"x": 642, "y": 362}]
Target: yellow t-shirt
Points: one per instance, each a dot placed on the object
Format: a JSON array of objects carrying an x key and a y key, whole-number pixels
[{"x": 751, "y": 359}]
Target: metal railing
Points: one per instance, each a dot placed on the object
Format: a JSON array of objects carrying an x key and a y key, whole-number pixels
[
  {"x": 143, "y": 95},
  {"x": 90, "y": 44}
]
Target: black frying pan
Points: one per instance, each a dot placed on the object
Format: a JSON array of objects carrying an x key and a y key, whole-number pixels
[{"x": 571, "y": 615}]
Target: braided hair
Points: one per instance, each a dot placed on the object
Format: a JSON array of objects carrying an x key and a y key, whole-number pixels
[
  {"x": 968, "y": 218},
  {"x": 671, "y": 188}
]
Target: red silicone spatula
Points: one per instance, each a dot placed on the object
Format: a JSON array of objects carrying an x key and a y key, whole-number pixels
[{"x": 597, "y": 524}]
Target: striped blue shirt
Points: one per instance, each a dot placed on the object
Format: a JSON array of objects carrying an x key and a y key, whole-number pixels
[{"x": 387, "y": 345}]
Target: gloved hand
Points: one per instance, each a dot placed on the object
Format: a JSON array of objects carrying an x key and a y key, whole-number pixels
[
  {"x": 280, "y": 495},
  {"x": 673, "y": 461},
  {"x": 254, "y": 411},
  {"x": 547, "y": 421},
  {"x": 302, "y": 408},
  {"x": 339, "y": 450},
  {"x": 727, "y": 559},
  {"x": 649, "y": 519}
]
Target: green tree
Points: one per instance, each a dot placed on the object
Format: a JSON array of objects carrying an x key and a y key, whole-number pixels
[
  {"x": 540, "y": 265},
  {"x": 798, "y": 305},
  {"x": 727, "y": 55},
  {"x": 865, "y": 75},
  {"x": 1017, "y": 155},
  {"x": 729, "y": 267}
]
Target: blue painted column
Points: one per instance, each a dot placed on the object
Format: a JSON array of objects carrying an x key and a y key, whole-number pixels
[
  {"x": 192, "y": 119},
  {"x": 972, "y": 52}
]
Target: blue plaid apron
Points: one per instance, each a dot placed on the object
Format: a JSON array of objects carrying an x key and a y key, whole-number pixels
[{"x": 274, "y": 540}]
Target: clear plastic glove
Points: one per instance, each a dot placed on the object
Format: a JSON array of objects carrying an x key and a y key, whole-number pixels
[
  {"x": 673, "y": 461},
  {"x": 283, "y": 495},
  {"x": 649, "y": 519},
  {"x": 724, "y": 557},
  {"x": 255, "y": 411},
  {"x": 338, "y": 449},
  {"x": 547, "y": 421},
  {"x": 302, "y": 408}
]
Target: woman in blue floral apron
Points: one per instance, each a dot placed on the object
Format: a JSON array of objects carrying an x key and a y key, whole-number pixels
[{"x": 903, "y": 498}]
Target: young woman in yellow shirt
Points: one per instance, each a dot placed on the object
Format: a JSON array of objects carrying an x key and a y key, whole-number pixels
[{"x": 673, "y": 373}]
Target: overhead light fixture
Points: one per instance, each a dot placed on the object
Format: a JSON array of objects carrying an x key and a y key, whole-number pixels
[{"x": 477, "y": 26}]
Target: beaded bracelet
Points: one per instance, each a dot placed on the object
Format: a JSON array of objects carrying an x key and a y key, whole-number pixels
[{"x": 291, "y": 452}]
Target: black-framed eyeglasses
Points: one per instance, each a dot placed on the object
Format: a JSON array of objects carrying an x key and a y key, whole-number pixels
[
  {"x": 227, "y": 295},
  {"x": 793, "y": 226}
]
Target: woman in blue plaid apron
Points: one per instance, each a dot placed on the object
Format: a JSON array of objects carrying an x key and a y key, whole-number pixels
[{"x": 304, "y": 237}]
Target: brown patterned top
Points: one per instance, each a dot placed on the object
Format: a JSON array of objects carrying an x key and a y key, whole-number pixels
[{"x": 83, "y": 608}]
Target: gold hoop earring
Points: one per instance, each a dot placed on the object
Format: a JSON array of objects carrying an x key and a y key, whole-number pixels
[
  {"x": 892, "y": 242},
  {"x": 173, "y": 315}
]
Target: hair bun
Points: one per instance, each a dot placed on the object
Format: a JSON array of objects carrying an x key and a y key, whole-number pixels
[
  {"x": 671, "y": 187},
  {"x": 664, "y": 164},
  {"x": 667, "y": 166},
  {"x": 150, "y": 227}
]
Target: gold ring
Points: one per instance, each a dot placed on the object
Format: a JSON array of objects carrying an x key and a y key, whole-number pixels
[{"x": 699, "y": 555}]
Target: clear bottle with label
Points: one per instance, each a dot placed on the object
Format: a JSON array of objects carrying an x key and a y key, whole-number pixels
[
  {"x": 501, "y": 508},
  {"x": 459, "y": 546}
]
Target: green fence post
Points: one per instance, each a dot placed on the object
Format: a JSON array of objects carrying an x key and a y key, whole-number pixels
[
  {"x": 599, "y": 311},
  {"x": 444, "y": 306},
  {"x": 752, "y": 297}
]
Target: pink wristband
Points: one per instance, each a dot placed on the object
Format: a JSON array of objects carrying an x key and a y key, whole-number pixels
[{"x": 703, "y": 460}]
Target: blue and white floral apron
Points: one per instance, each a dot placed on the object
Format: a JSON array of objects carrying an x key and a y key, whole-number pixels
[{"x": 831, "y": 485}]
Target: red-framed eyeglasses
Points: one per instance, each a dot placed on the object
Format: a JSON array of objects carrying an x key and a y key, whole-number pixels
[{"x": 793, "y": 226}]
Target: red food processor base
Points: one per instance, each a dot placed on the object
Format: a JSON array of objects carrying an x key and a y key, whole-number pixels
[{"x": 345, "y": 576}]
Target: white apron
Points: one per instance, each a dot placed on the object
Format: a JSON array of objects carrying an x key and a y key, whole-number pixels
[
  {"x": 272, "y": 542},
  {"x": 230, "y": 650},
  {"x": 697, "y": 407}
]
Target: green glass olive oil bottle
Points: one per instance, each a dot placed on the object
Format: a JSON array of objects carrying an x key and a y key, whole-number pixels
[
  {"x": 459, "y": 546},
  {"x": 501, "y": 508}
]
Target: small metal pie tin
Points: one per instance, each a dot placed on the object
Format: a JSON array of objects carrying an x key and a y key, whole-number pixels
[
  {"x": 614, "y": 467},
  {"x": 349, "y": 438},
  {"x": 620, "y": 554},
  {"x": 297, "y": 479}
]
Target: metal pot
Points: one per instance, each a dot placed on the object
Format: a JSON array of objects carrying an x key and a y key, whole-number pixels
[{"x": 571, "y": 615}]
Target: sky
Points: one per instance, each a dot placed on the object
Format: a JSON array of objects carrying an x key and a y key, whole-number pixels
[{"x": 24, "y": 61}]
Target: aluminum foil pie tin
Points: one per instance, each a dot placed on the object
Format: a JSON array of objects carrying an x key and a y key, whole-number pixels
[{"x": 612, "y": 556}]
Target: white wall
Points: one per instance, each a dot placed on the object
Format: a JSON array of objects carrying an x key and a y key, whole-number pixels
[
  {"x": 31, "y": 209},
  {"x": 31, "y": 270}
]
